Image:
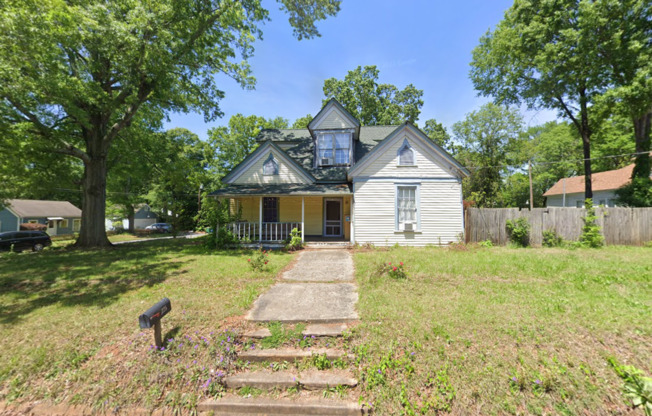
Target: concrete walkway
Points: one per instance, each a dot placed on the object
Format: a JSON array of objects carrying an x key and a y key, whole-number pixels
[{"x": 322, "y": 290}]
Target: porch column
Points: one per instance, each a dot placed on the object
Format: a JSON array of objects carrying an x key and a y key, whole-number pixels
[
  {"x": 303, "y": 223},
  {"x": 260, "y": 221}
]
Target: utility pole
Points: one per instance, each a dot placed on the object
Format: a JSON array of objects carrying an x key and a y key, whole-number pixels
[{"x": 529, "y": 171}]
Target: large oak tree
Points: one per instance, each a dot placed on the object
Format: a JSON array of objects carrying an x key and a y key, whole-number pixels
[{"x": 76, "y": 73}]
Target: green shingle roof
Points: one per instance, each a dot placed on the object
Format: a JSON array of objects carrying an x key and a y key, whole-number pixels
[
  {"x": 284, "y": 189},
  {"x": 302, "y": 148}
]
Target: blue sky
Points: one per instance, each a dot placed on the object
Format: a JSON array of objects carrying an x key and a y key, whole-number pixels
[{"x": 425, "y": 43}]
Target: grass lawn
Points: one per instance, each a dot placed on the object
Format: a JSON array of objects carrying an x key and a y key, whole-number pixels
[
  {"x": 66, "y": 240},
  {"x": 69, "y": 322},
  {"x": 501, "y": 330}
]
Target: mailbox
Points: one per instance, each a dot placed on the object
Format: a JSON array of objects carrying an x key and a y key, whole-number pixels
[{"x": 153, "y": 315}]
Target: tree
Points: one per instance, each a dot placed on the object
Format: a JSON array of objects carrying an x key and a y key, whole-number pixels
[
  {"x": 438, "y": 134},
  {"x": 233, "y": 143},
  {"x": 372, "y": 103},
  {"x": 543, "y": 54},
  {"x": 302, "y": 122},
  {"x": 77, "y": 73},
  {"x": 485, "y": 136}
]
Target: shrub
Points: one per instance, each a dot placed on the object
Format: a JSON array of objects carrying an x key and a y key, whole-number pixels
[
  {"x": 552, "y": 239},
  {"x": 396, "y": 271},
  {"x": 519, "y": 231},
  {"x": 258, "y": 260},
  {"x": 294, "y": 240},
  {"x": 591, "y": 236}
]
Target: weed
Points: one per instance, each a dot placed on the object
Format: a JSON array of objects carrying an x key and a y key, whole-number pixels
[
  {"x": 518, "y": 231},
  {"x": 591, "y": 236},
  {"x": 248, "y": 391},
  {"x": 280, "y": 335},
  {"x": 637, "y": 387},
  {"x": 259, "y": 260},
  {"x": 486, "y": 244},
  {"x": 294, "y": 241},
  {"x": 321, "y": 361},
  {"x": 552, "y": 239}
]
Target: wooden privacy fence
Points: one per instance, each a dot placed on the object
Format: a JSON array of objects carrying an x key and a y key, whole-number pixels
[{"x": 628, "y": 226}]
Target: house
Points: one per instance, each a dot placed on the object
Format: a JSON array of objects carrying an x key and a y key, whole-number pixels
[
  {"x": 569, "y": 192},
  {"x": 60, "y": 217},
  {"x": 143, "y": 216},
  {"x": 340, "y": 181}
]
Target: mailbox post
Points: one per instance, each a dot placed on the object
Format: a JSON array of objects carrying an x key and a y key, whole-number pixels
[{"x": 152, "y": 318}]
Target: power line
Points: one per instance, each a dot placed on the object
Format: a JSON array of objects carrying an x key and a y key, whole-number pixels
[{"x": 559, "y": 161}]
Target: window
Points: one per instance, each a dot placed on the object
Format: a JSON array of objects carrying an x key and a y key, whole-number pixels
[
  {"x": 579, "y": 204},
  {"x": 270, "y": 209},
  {"x": 270, "y": 167},
  {"x": 63, "y": 224},
  {"x": 334, "y": 149},
  {"x": 407, "y": 207},
  {"x": 76, "y": 225},
  {"x": 406, "y": 155}
]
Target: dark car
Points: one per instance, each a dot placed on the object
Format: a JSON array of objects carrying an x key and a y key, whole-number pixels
[
  {"x": 160, "y": 227},
  {"x": 24, "y": 240}
]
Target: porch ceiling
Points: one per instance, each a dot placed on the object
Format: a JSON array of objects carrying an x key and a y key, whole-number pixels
[{"x": 317, "y": 189}]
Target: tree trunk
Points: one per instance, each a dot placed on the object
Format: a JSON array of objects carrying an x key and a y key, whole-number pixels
[
  {"x": 131, "y": 217},
  {"x": 586, "y": 145},
  {"x": 93, "y": 232},
  {"x": 642, "y": 136}
]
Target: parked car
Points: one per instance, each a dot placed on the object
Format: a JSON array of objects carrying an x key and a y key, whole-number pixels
[
  {"x": 160, "y": 227},
  {"x": 24, "y": 240}
]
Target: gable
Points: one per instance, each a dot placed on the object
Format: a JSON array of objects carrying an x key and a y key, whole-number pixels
[
  {"x": 430, "y": 160},
  {"x": 250, "y": 171},
  {"x": 333, "y": 116}
]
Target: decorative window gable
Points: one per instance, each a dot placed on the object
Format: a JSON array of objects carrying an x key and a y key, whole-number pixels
[
  {"x": 270, "y": 167},
  {"x": 406, "y": 155}
]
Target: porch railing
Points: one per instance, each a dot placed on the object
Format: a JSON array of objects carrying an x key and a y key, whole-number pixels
[{"x": 270, "y": 231}]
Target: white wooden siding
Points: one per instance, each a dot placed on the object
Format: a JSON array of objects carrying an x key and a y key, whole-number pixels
[
  {"x": 254, "y": 174},
  {"x": 375, "y": 207},
  {"x": 574, "y": 198},
  {"x": 386, "y": 164}
]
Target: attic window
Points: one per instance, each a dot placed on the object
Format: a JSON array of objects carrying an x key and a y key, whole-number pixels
[
  {"x": 334, "y": 149},
  {"x": 406, "y": 155},
  {"x": 270, "y": 167}
]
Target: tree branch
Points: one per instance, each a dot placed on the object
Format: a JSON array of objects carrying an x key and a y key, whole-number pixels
[
  {"x": 73, "y": 151},
  {"x": 568, "y": 112}
]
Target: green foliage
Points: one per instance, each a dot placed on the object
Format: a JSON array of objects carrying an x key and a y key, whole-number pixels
[
  {"x": 552, "y": 239},
  {"x": 395, "y": 271},
  {"x": 486, "y": 244},
  {"x": 302, "y": 122},
  {"x": 259, "y": 260},
  {"x": 281, "y": 335},
  {"x": 485, "y": 136},
  {"x": 591, "y": 236},
  {"x": 638, "y": 193},
  {"x": 294, "y": 240},
  {"x": 372, "y": 103},
  {"x": 518, "y": 231},
  {"x": 637, "y": 388},
  {"x": 438, "y": 134}
]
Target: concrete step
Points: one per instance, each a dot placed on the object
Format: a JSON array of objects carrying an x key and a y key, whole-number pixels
[
  {"x": 317, "y": 330},
  {"x": 309, "y": 380},
  {"x": 289, "y": 354},
  {"x": 264, "y": 406}
]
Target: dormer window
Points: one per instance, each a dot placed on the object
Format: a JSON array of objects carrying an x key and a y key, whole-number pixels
[
  {"x": 406, "y": 155},
  {"x": 334, "y": 149},
  {"x": 270, "y": 167}
]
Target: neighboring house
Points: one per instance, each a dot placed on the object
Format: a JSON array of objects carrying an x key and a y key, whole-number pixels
[
  {"x": 143, "y": 216},
  {"x": 61, "y": 217},
  {"x": 569, "y": 192},
  {"x": 337, "y": 180}
]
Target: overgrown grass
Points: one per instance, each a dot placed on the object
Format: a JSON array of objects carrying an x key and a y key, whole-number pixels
[
  {"x": 502, "y": 331},
  {"x": 69, "y": 322}
]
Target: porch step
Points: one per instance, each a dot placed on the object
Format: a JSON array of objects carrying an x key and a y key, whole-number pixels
[
  {"x": 312, "y": 330},
  {"x": 289, "y": 354},
  {"x": 327, "y": 245},
  {"x": 264, "y": 406},
  {"x": 310, "y": 380}
]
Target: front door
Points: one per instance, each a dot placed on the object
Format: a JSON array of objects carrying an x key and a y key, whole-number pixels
[
  {"x": 52, "y": 227},
  {"x": 332, "y": 217}
]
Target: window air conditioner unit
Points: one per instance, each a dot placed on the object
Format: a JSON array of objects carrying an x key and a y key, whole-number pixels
[
  {"x": 326, "y": 161},
  {"x": 408, "y": 226}
]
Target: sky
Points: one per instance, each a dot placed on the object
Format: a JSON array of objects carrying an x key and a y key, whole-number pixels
[{"x": 426, "y": 43}]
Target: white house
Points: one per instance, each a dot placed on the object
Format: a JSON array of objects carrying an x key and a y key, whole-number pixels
[
  {"x": 337, "y": 180},
  {"x": 569, "y": 192}
]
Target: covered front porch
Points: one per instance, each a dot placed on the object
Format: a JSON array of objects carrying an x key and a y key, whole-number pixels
[{"x": 269, "y": 214}]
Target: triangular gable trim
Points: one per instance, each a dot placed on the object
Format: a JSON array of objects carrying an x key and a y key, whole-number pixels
[
  {"x": 332, "y": 103},
  {"x": 260, "y": 152},
  {"x": 431, "y": 147}
]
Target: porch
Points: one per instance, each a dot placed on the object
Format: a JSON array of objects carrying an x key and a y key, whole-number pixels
[{"x": 271, "y": 218}]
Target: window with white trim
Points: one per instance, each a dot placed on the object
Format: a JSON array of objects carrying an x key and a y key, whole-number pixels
[
  {"x": 334, "y": 149},
  {"x": 270, "y": 167},
  {"x": 406, "y": 156},
  {"x": 76, "y": 225},
  {"x": 407, "y": 207},
  {"x": 63, "y": 224}
]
